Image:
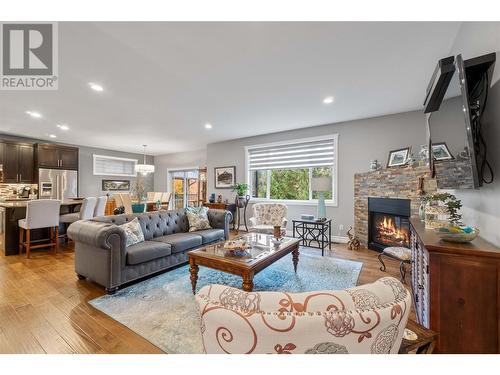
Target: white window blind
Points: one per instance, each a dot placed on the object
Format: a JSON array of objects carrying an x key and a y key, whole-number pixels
[
  {"x": 113, "y": 166},
  {"x": 307, "y": 154}
]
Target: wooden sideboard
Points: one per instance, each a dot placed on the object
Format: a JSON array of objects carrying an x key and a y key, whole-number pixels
[{"x": 456, "y": 291}]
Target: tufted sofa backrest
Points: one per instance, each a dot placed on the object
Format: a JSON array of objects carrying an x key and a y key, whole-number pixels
[{"x": 153, "y": 224}]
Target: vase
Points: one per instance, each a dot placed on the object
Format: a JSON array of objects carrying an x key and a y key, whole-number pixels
[
  {"x": 138, "y": 208},
  {"x": 421, "y": 212}
]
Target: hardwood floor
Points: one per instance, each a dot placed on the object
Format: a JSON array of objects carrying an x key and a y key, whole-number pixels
[{"x": 44, "y": 309}]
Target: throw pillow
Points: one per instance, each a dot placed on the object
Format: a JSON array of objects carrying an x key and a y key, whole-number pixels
[
  {"x": 198, "y": 218},
  {"x": 133, "y": 232}
]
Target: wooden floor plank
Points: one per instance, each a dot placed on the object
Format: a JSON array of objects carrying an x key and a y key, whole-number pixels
[
  {"x": 40, "y": 328},
  {"x": 15, "y": 337},
  {"x": 70, "y": 332},
  {"x": 47, "y": 307}
]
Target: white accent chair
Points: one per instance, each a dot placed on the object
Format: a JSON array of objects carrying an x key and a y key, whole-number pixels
[
  {"x": 100, "y": 207},
  {"x": 43, "y": 213},
  {"x": 367, "y": 319},
  {"x": 86, "y": 212},
  {"x": 267, "y": 215}
]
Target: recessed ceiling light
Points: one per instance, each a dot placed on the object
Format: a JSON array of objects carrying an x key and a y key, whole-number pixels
[
  {"x": 96, "y": 87},
  {"x": 52, "y": 136},
  {"x": 34, "y": 114},
  {"x": 208, "y": 126},
  {"x": 328, "y": 100},
  {"x": 63, "y": 127}
]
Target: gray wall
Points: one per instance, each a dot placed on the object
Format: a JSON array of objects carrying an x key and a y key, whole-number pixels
[
  {"x": 197, "y": 158},
  {"x": 359, "y": 141},
  {"x": 482, "y": 206},
  {"x": 90, "y": 185}
]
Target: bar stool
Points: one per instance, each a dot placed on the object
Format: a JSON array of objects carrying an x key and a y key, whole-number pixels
[
  {"x": 86, "y": 212},
  {"x": 43, "y": 213},
  {"x": 100, "y": 206}
]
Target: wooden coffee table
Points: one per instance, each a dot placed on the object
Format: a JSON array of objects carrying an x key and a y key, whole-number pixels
[{"x": 262, "y": 254}]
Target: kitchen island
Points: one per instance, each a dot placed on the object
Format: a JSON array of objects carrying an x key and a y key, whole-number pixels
[{"x": 12, "y": 211}]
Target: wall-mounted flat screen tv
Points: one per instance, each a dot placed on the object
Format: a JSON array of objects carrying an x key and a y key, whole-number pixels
[{"x": 455, "y": 101}]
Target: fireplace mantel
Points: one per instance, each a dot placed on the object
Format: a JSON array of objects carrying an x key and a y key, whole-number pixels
[{"x": 399, "y": 182}]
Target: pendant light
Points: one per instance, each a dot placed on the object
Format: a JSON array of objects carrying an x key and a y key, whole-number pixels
[{"x": 144, "y": 168}]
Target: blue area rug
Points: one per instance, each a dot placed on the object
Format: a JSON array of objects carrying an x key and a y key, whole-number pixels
[{"x": 163, "y": 309}]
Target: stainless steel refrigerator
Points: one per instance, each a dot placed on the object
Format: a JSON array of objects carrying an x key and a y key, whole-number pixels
[{"x": 57, "y": 184}]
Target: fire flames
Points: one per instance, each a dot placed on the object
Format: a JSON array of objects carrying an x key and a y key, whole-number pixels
[{"x": 389, "y": 233}]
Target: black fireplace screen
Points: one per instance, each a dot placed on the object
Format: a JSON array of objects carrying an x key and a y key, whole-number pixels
[{"x": 388, "y": 223}]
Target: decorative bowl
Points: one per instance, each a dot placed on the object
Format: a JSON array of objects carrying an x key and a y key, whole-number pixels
[{"x": 460, "y": 234}]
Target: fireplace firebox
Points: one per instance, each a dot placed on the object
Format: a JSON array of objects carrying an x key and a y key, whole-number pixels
[{"x": 388, "y": 223}]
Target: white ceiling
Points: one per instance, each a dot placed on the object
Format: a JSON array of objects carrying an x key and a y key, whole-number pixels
[{"x": 164, "y": 81}]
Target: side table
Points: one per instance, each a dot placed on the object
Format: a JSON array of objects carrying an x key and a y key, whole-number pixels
[
  {"x": 425, "y": 342},
  {"x": 310, "y": 231}
]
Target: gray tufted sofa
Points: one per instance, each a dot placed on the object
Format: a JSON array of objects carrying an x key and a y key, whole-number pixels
[{"x": 101, "y": 254}]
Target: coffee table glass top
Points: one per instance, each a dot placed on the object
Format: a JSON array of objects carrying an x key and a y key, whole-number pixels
[{"x": 262, "y": 245}]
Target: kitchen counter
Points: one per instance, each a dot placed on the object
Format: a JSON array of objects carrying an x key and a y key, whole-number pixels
[
  {"x": 23, "y": 203},
  {"x": 12, "y": 211}
]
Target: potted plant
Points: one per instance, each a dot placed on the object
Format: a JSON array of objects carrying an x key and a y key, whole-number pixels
[
  {"x": 438, "y": 204},
  {"x": 138, "y": 192},
  {"x": 241, "y": 191}
]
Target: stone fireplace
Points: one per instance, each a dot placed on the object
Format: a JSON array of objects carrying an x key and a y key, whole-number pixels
[
  {"x": 388, "y": 223},
  {"x": 394, "y": 183}
]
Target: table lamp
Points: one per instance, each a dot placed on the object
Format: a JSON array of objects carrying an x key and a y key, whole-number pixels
[{"x": 321, "y": 185}]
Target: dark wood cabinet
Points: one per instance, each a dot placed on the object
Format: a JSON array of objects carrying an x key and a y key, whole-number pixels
[
  {"x": 456, "y": 291},
  {"x": 10, "y": 163},
  {"x": 69, "y": 157},
  {"x": 26, "y": 164},
  {"x": 18, "y": 164},
  {"x": 48, "y": 156},
  {"x": 57, "y": 157}
]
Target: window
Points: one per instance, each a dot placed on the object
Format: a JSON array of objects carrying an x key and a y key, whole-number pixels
[
  {"x": 289, "y": 171},
  {"x": 113, "y": 166}
]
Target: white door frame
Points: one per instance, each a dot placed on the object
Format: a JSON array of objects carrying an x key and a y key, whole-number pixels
[{"x": 169, "y": 181}]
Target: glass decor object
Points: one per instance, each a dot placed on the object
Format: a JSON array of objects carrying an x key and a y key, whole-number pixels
[{"x": 436, "y": 215}]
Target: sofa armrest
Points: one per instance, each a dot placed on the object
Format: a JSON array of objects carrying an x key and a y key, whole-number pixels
[
  {"x": 220, "y": 219},
  {"x": 100, "y": 251},
  {"x": 96, "y": 234}
]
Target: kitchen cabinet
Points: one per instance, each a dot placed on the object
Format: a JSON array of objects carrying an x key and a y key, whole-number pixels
[
  {"x": 57, "y": 157},
  {"x": 18, "y": 162}
]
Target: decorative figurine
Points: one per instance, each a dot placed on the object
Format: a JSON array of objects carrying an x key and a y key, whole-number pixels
[
  {"x": 212, "y": 198},
  {"x": 374, "y": 165},
  {"x": 353, "y": 243}
]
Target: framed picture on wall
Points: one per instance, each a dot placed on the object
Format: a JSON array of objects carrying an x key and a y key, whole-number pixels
[
  {"x": 115, "y": 185},
  {"x": 399, "y": 157},
  {"x": 225, "y": 177},
  {"x": 441, "y": 151}
]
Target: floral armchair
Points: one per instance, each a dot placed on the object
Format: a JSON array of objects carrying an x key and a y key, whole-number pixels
[
  {"x": 267, "y": 215},
  {"x": 367, "y": 319}
]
